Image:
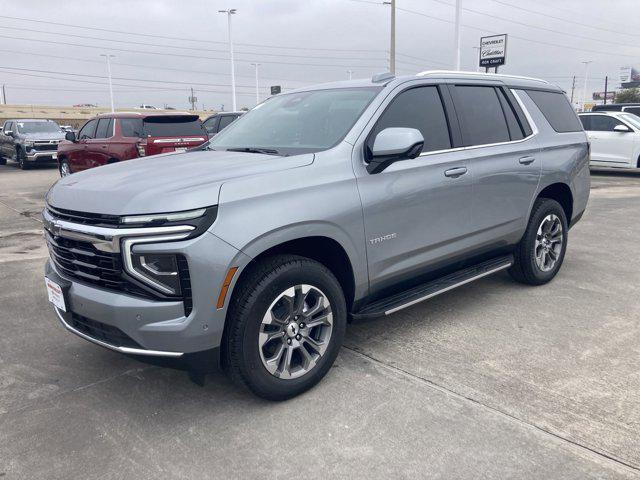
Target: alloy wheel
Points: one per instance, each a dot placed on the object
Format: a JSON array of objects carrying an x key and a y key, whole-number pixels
[
  {"x": 548, "y": 245},
  {"x": 295, "y": 331},
  {"x": 65, "y": 171}
]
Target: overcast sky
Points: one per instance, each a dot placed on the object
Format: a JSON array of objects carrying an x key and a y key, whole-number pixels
[{"x": 297, "y": 42}]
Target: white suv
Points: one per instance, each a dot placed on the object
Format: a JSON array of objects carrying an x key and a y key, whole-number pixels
[{"x": 614, "y": 138}]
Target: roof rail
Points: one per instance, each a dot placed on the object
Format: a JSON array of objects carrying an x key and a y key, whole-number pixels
[
  {"x": 382, "y": 77},
  {"x": 456, "y": 72}
]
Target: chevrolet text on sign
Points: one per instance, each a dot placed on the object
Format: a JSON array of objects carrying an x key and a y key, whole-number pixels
[{"x": 493, "y": 50}]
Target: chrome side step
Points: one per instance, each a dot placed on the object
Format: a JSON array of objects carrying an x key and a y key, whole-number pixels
[{"x": 420, "y": 293}]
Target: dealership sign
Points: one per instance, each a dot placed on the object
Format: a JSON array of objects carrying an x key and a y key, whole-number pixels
[{"x": 493, "y": 50}]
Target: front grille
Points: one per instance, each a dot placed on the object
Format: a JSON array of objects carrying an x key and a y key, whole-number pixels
[
  {"x": 103, "y": 332},
  {"x": 83, "y": 218},
  {"x": 81, "y": 261},
  {"x": 46, "y": 146}
]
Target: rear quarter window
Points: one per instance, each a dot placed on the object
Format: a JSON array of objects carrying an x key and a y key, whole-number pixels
[{"x": 557, "y": 110}]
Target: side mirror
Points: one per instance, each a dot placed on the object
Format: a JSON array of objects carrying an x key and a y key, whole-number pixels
[
  {"x": 392, "y": 145},
  {"x": 622, "y": 129},
  {"x": 71, "y": 136},
  {"x": 9, "y": 133}
]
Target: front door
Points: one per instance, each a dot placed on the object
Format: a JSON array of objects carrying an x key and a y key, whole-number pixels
[
  {"x": 6, "y": 142},
  {"x": 97, "y": 148},
  {"x": 608, "y": 147},
  {"x": 78, "y": 153},
  {"x": 416, "y": 212}
]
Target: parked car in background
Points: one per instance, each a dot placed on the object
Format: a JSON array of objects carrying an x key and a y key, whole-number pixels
[
  {"x": 88, "y": 105},
  {"x": 618, "y": 107},
  {"x": 351, "y": 200},
  {"x": 614, "y": 138},
  {"x": 148, "y": 107},
  {"x": 29, "y": 141},
  {"x": 66, "y": 128},
  {"x": 114, "y": 137},
  {"x": 215, "y": 123}
]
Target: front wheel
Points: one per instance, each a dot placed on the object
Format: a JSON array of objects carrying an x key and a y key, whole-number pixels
[
  {"x": 540, "y": 253},
  {"x": 65, "y": 169},
  {"x": 286, "y": 326}
]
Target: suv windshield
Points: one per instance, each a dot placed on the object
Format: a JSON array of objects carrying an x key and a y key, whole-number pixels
[
  {"x": 37, "y": 127},
  {"x": 297, "y": 123}
]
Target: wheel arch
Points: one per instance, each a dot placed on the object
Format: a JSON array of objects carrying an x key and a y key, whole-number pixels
[{"x": 561, "y": 193}]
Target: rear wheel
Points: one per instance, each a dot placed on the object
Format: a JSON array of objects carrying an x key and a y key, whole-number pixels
[
  {"x": 540, "y": 253},
  {"x": 285, "y": 328},
  {"x": 3, "y": 161}
]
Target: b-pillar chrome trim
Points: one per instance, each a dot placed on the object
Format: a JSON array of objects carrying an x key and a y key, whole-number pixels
[{"x": 132, "y": 351}]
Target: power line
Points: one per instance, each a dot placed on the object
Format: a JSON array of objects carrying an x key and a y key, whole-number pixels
[
  {"x": 102, "y": 39},
  {"x": 167, "y": 37},
  {"x": 181, "y": 55}
]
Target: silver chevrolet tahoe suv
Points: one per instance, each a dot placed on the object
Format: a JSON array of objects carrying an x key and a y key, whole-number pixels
[{"x": 328, "y": 204}]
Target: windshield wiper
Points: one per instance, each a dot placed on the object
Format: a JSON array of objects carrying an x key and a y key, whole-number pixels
[{"x": 266, "y": 151}]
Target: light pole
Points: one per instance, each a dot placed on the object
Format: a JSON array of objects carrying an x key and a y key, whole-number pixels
[
  {"x": 584, "y": 90},
  {"x": 392, "y": 39},
  {"x": 230, "y": 12},
  {"x": 256, "y": 65},
  {"x": 478, "y": 59},
  {"x": 108, "y": 56},
  {"x": 350, "y": 73},
  {"x": 458, "y": 32}
]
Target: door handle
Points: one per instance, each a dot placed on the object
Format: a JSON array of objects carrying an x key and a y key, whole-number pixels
[
  {"x": 526, "y": 160},
  {"x": 455, "y": 172}
]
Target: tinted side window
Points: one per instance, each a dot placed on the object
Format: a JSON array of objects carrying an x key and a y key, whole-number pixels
[
  {"x": 634, "y": 110},
  {"x": 481, "y": 115},
  {"x": 586, "y": 121},
  {"x": 602, "y": 123},
  {"x": 131, "y": 127},
  {"x": 419, "y": 108},
  {"x": 103, "y": 131},
  {"x": 210, "y": 125},
  {"x": 225, "y": 121},
  {"x": 7, "y": 126},
  {"x": 89, "y": 130},
  {"x": 556, "y": 109},
  {"x": 515, "y": 130}
]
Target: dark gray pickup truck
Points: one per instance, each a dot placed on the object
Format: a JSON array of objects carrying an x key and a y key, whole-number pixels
[{"x": 30, "y": 141}]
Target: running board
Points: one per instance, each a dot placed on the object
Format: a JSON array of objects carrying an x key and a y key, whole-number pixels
[{"x": 399, "y": 301}]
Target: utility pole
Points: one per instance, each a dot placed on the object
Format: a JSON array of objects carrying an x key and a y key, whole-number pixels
[
  {"x": 573, "y": 88},
  {"x": 256, "y": 65},
  {"x": 606, "y": 88},
  {"x": 109, "y": 57},
  {"x": 584, "y": 90},
  {"x": 458, "y": 32},
  {"x": 230, "y": 12},
  {"x": 192, "y": 99},
  {"x": 392, "y": 37},
  {"x": 478, "y": 60},
  {"x": 4, "y": 95},
  {"x": 350, "y": 73}
]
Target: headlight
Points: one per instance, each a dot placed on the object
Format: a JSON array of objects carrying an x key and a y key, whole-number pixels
[
  {"x": 164, "y": 217},
  {"x": 28, "y": 144},
  {"x": 159, "y": 270}
]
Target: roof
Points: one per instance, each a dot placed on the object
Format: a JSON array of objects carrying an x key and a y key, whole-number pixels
[
  {"x": 142, "y": 114},
  {"x": 610, "y": 113},
  {"x": 388, "y": 80},
  {"x": 27, "y": 120}
]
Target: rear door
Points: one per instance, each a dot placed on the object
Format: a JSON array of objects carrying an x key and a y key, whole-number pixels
[
  {"x": 6, "y": 142},
  {"x": 417, "y": 211},
  {"x": 97, "y": 149},
  {"x": 502, "y": 160},
  {"x": 608, "y": 147}
]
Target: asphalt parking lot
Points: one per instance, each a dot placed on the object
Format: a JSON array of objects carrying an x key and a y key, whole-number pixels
[{"x": 492, "y": 380}]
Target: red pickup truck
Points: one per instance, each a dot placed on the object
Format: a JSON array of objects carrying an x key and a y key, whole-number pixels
[{"x": 114, "y": 137}]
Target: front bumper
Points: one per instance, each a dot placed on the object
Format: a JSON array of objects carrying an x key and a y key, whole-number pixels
[
  {"x": 42, "y": 157},
  {"x": 157, "y": 328}
]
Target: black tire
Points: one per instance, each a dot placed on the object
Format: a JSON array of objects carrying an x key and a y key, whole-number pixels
[
  {"x": 525, "y": 268},
  {"x": 21, "y": 158},
  {"x": 3, "y": 161},
  {"x": 256, "y": 292},
  {"x": 64, "y": 164}
]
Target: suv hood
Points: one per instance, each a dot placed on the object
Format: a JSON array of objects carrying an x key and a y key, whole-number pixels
[
  {"x": 162, "y": 183},
  {"x": 42, "y": 136}
]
